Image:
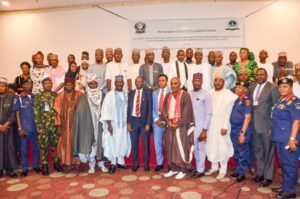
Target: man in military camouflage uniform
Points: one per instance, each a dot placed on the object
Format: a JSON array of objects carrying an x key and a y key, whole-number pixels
[{"x": 44, "y": 114}]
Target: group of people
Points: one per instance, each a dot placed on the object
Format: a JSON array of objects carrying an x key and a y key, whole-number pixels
[{"x": 95, "y": 113}]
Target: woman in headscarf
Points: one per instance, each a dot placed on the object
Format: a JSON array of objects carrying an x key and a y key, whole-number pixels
[{"x": 81, "y": 77}]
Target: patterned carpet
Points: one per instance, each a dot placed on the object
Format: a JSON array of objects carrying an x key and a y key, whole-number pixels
[{"x": 125, "y": 184}]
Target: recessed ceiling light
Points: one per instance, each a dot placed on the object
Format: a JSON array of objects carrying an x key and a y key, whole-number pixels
[{"x": 5, "y": 3}]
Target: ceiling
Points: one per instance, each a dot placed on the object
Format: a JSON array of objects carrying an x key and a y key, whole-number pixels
[{"x": 23, "y": 5}]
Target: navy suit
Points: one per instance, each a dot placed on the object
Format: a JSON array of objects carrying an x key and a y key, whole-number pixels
[{"x": 138, "y": 125}]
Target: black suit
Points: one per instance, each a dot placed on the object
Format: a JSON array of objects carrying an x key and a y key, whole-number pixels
[{"x": 138, "y": 124}]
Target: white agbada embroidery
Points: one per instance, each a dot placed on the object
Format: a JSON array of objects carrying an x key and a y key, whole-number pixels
[{"x": 220, "y": 147}]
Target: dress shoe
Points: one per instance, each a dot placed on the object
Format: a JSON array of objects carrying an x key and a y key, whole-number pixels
[
  {"x": 180, "y": 175},
  {"x": 57, "y": 167},
  {"x": 146, "y": 168},
  {"x": 265, "y": 183},
  {"x": 11, "y": 174},
  {"x": 122, "y": 166},
  {"x": 45, "y": 170},
  {"x": 257, "y": 179},
  {"x": 24, "y": 173},
  {"x": 158, "y": 168},
  {"x": 37, "y": 169},
  {"x": 240, "y": 178},
  {"x": 210, "y": 172},
  {"x": 277, "y": 190},
  {"x": 197, "y": 175},
  {"x": 284, "y": 195},
  {"x": 234, "y": 175},
  {"x": 112, "y": 169},
  {"x": 252, "y": 171},
  {"x": 135, "y": 168},
  {"x": 220, "y": 176},
  {"x": 104, "y": 169},
  {"x": 170, "y": 173},
  {"x": 91, "y": 170}
]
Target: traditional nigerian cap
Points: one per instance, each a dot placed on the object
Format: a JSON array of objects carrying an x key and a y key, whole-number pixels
[
  {"x": 198, "y": 50},
  {"x": 197, "y": 76},
  {"x": 117, "y": 50},
  {"x": 165, "y": 48},
  {"x": 46, "y": 78},
  {"x": 91, "y": 77},
  {"x": 241, "y": 83},
  {"x": 297, "y": 66},
  {"x": 282, "y": 54},
  {"x": 119, "y": 77},
  {"x": 218, "y": 52},
  {"x": 25, "y": 81},
  {"x": 149, "y": 50},
  {"x": 136, "y": 50},
  {"x": 219, "y": 76},
  {"x": 3, "y": 80},
  {"x": 242, "y": 70},
  {"x": 108, "y": 50},
  {"x": 285, "y": 80},
  {"x": 85, "y": 61},
  {"x": 69, "y": 80},
  {"x": 98, "y": 50}
]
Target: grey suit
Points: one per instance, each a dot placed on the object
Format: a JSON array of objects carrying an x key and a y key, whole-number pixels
[
  {"x": 288, "y": 67},
  {"x": 261, "y": 122},
  {"x": 144, "y": 72}
]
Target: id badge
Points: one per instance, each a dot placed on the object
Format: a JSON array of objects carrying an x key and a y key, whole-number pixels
[
  {"x": 46, "y": 106},
  {"x": 255, "y": 103}
]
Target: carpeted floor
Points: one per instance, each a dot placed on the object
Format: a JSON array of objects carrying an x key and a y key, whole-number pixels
[{"x": 125, "y": 184}]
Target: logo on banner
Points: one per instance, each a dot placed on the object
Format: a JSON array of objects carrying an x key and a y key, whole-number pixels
[
  {"x": 140, "y": 28},
  {"x": 232, "y": 25}
]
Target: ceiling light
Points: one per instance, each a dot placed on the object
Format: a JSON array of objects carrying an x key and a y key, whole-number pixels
[{"x": 5, "y": 3}]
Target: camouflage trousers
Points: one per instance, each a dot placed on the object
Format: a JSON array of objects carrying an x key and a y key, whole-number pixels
[{"x": 46, "y": 139}]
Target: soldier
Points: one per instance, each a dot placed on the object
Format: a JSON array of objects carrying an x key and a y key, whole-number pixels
[{"x": 44, "y": 115}]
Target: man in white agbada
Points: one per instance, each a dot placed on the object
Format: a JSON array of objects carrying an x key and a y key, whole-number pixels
[
  {"x": 116, "y": 141},
  {"x": 219, "y": 147},
  {"x": 87, "y": 141}
]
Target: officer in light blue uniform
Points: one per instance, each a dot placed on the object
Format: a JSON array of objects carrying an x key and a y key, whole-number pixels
[
  {"x": 240, "y": 130},
  {"x": 285, "y": 135}
]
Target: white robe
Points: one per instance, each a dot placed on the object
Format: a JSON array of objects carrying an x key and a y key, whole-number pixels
[
  {"x": 118, "y": 144},
  {"x": 220, "y": 147}
]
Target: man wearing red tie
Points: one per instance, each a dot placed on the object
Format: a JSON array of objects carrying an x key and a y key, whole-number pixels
[
  {"x": 158, "y": 97},
  {"x": 139, "y": 121}
]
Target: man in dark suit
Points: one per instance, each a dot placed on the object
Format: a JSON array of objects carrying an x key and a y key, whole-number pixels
[
  {"x": 282, "y": 67},
  {"x": 139, "y": 119},
  {"x": 150, "y": 71},
  {"x": 263, "y": 95}
]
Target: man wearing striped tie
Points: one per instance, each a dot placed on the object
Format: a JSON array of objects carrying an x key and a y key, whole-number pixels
[{"x": 139, "y": 120}]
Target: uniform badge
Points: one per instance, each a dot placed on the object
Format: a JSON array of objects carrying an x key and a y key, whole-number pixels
[
  {"x": 289, "y": 102},
  {"x": 281, "y": 106}
]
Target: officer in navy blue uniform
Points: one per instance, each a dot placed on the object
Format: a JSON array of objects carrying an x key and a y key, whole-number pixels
[
  {"x": 285, "y": 135},
  {"x": 240, "y": 131}
]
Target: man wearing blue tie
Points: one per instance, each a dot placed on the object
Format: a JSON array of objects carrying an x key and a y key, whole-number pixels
[
  {"x": 139, "y": 121},
  {"x": 158, "y": 97}
]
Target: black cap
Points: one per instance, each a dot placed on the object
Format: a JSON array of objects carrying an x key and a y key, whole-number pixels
[
  {"x": 245, "y": 84},
  {"x": 285, "y": 80}
]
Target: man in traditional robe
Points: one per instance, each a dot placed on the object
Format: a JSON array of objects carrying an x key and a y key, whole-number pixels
[
  {"x": 8, "y": 155},
  {"x": 65, "y": 105},
  {"x": 202, "y": 109},
  {"x": 114, "y": 119},
  {"x": 87, "y": 141},
  {"x": 219, "y": 146},
  {"x": 179, "y": 139}
]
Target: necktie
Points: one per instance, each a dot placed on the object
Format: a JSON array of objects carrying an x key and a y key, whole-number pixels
[
  {"x": 137, "y": 106},
  {"x": 257, "y": 94},
  {"x": 161, "y": 101}
]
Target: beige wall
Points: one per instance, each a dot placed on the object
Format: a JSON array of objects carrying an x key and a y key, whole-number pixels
[{"x": 274, "y": 28}]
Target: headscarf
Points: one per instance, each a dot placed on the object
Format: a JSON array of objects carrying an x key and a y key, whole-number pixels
[{"x": 71, "y": 74}]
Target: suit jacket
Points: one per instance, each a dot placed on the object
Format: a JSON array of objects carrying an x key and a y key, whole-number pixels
[
  {"x": 289, "y": 68},
  {"x": 155, "y": 98},
  {"x": 144, "y": 72},
  {"x": 261, "y": 117},
  {"x": 145, "y": 107}
]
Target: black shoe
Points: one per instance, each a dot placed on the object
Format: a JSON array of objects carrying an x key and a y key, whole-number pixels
[
  {"x": 112, "y": 169},
  {"x": 284, "y": 195},
  {"x": 37, "y": 169},
  {"x": 234, "y": 175},
  {"x": 11, "y": 174},
  {"x": 122, "y": 166},
  {"x": 240, "y": 178},
  {"x": 57, "y": 167},
  {"x": 45, "y": 170},
  {"x": 24, "y": 173},
  {"x": 265, "y": 183},
  {"x": 169, "y": 168},
  {"x": 197, "y": 175},
  {"x": 1, "y": 173},
  {"x": 135, "y": 168},
  {"x": 146, "y": 168},
  {"x": 257, "y": 179},
  {"x": 277, "y": 190},
  {"x": 158, "y": 168}
]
